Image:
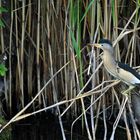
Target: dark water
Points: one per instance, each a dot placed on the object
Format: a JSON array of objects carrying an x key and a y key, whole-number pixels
[
  {"x": 44, "y": 128},
  {"x": 47, "y": 128}
]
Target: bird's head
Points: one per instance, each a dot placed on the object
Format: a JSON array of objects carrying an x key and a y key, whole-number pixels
[{"x": 104, "y": 44}]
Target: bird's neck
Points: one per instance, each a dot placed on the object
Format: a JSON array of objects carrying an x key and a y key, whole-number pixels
[
  {"x": 109, "y": 57},
  {"x": 109, "y": 62}
]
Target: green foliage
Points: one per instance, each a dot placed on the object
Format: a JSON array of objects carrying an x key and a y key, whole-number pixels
[
  {"x": 75, "y": 32},
  {"x": 87, "y": 9},
  {"x": 2, "y": 10},
  {"x": 138, "y": 2},
  {"x": 3, "y": 70},
  {"x": 1, "y": 23},
  {"x": 113, "y": 11},
  {"x": 6, "y": 134}
]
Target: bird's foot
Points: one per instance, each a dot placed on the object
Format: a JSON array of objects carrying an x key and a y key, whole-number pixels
[{"x": 127, "y": 92}]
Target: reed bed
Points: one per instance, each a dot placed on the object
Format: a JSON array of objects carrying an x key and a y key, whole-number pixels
[{"x": 50, "y": 67}]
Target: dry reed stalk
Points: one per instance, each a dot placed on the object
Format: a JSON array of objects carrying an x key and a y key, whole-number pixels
[
  {"x": 81, "y": 90},
  {"x": 31, "y": 53},
  {"x": 38, "y": 49},
  {"x": 85, "y": 119},
  {"x": 125, "y": 99},
  {"x": 22, "y": 55},
  {"x": 10, "y": 72},
  {"x": 54, "y": 75},
  {"x": 104, "y": 118},
  {"x": 32, "y": 101},
  {"x": 89, "y": 93},
  {"x": 127, "y": 125}
]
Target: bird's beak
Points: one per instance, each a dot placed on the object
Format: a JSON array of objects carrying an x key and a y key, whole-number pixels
[{"x": 95, "y": 45}]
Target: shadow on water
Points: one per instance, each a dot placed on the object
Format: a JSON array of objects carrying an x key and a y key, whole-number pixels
[{"x": 47, "y": 127}]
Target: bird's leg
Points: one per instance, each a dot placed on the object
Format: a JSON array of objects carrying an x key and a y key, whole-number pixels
[{"x": 128, "y": 90}]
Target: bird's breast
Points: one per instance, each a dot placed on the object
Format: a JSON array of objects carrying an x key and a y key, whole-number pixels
[{"x": 110, "y": 64}]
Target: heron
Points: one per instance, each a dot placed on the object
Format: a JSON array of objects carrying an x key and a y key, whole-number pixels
[{"x": 117, "y": 69}]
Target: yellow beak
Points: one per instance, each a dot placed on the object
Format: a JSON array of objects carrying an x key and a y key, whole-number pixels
[
  {"x": 98, "y": 45},
  {"x": 95, "y": 45}
]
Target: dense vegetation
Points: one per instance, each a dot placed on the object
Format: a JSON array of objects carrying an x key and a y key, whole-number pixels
[{"x": 50, "y": 66}]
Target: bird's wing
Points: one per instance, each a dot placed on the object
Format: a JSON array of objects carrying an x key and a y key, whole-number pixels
[{"x": 129, "y": 69}]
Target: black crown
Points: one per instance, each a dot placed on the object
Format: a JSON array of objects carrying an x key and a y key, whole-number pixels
[{"x": 105, "y": 41}]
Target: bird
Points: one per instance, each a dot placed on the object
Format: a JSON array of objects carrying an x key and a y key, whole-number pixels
[{"x": 117, "y": 69}]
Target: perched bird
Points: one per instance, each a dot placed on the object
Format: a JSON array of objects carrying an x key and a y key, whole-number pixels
[{"x": 119, "y": 70}]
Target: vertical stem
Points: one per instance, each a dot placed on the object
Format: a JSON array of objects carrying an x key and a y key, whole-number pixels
[
  {"x": 22, "y": 53},
  {"x": 10, "y": 73},
  {"x": 37, "y": 50}
]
